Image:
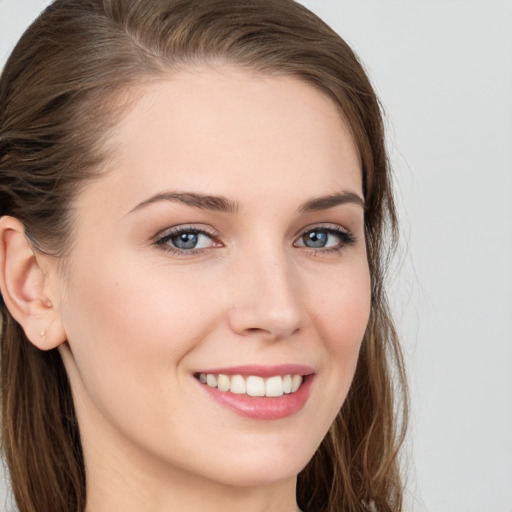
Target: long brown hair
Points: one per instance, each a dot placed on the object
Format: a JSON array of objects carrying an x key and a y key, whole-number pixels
[{"x": 59, "y": 97}]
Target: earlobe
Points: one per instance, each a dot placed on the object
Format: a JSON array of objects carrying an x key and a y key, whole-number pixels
[{"x": 24, "y": 287}]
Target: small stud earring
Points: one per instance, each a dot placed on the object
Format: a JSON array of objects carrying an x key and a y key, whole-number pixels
[{"x": 43, "y": 334}]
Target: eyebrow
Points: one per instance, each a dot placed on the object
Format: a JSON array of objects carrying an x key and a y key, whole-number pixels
[
  {"x": 330, "y": 201},
  {"x": 202, "y": 201},
  {"x": 225, "y": 205}
]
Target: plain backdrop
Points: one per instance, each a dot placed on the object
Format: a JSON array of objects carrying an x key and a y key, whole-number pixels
[{"x": 443, "y": 70}]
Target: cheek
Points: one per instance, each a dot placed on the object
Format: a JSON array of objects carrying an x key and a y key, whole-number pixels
[
  {"x": 342, "y": 317},
  {"x": 343, "y": 309},
  {"x": 137, "y": 313},
  {"x": 129, "y": 336},
  {"x": 340, "y": 308}
]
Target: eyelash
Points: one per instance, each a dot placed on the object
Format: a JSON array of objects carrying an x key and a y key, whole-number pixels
[
  {"x": 162, "y": 241},
  {"x": 346, "y": 239}
]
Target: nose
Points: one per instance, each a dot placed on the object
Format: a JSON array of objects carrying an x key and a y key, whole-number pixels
[{"x": 266, "y": 300}]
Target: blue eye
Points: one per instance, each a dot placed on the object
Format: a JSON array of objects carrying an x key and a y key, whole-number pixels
[
  {"x": 316, "y": 239},
  {"x": 325, "y": 238},
  {"x": 186, "y": 240}
]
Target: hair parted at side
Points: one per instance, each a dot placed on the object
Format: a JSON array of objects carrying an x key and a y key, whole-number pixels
[{"x": 61, "y": 93}]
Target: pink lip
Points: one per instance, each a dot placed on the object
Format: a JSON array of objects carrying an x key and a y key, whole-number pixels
[
  {"x": 262, "y": 371},
  {"x": 263, "y": 408}
]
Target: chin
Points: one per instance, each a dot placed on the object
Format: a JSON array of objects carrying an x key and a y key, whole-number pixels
[
  {"x": 260, "y": 475},
  {"x": 263, "y": 467}
]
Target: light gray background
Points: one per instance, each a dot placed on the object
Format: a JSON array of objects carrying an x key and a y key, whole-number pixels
[{"x": 443, "y": 70}]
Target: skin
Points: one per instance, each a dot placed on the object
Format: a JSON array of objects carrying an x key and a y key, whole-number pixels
[{"x": 138, "y": 320}]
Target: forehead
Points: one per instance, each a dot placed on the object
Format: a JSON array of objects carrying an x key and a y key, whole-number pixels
[{"x": 232, "y": 132}]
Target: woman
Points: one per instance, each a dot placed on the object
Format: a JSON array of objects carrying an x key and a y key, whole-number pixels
[{"x": 196, "y": 209}]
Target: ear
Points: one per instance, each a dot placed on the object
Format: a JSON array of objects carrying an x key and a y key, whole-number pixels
[{"x": 25, "y": 286}]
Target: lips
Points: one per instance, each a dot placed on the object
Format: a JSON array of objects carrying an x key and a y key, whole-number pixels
[{"x": 259, "y": 392}]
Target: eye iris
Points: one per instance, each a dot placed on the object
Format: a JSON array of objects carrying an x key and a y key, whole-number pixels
[
  {"x": 315, "y": 239},
  {"x": 185, "y": 240}
]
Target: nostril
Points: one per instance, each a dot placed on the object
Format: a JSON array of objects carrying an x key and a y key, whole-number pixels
[{"x": 276, "y": 333}]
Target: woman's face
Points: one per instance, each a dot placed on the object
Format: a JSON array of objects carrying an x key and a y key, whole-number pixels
[{"x": 225, "y": 239}]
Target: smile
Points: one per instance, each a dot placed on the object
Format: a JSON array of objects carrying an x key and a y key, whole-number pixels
[
  {"x": 253, "y": 385},
  {"x": 259, "y": 392}
]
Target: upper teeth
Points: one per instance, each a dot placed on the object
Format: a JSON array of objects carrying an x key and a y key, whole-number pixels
[{"x": 252, "y": 385}]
